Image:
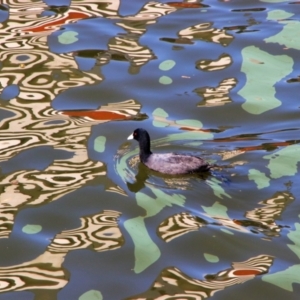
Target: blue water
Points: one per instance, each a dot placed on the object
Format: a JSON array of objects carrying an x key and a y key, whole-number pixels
[{"x": 77, "y": 78}]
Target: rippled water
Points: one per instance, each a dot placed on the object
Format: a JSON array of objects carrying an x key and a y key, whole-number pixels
[{"x": 81, "y": 218}]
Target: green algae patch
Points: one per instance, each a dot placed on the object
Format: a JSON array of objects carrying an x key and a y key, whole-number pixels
[
  {"x": 217, "y": 188},
  {"x": 160, "y": 115},
  {"x": 216, "y": 210},
  {"x": 294, "y": 236},
  {"x": 99, "y": 144},
  {"x": 167, "y": 65},
  {"x": 288, "y": 36},
  {"x": 260, "y": 178},
  {"x": 68, "y": 37},
  {"x": 91, "y": 295},
  {"x": 278, "y": 14},
  {"x": 284, "y": 162},
  {"x": 211, "y": 258},
  {"x": 227, "y": 231},
  {"x": 263, "y": 71},
  {"x": 190, "y": 123},
  {"x": 284, "y": 279},
  {"x": 32, "y": 228},
  {"x": 165, "y": 80},
  {"x": 146, "y": 251}
]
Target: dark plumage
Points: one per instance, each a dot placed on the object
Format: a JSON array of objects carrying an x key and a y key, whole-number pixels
[{"x": 167, "y": 163}]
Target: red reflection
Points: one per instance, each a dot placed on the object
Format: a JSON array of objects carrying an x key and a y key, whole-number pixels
[
  {"x": 246, "y": 272},
  {"x": 49, "y": 25},
  {"x": 96, "y": 115},
  {"x": 185, "y": 4}
]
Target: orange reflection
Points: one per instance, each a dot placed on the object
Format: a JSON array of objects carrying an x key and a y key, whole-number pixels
[{"x": 55, "y": 23}]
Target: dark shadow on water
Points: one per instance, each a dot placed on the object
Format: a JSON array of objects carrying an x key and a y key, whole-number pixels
[
  {"x": 140, "y": 179},
  {"x": 144, "y": 173}
]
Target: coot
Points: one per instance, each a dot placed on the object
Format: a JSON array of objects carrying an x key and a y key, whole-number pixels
[{"x": 167, "y": 163}]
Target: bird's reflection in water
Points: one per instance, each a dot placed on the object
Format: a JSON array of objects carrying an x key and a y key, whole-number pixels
[
  {"x": 140, "y": 179},
  {"x": 145, "y": 176}
]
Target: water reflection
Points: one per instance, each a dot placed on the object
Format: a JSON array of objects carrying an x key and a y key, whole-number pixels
[
  {"x": 136, "y": 175},
  {"x": 241, "y": 28},
  {"x": 50, "y": 52},
  {"x": 146, "y": 177},
  {"x": 207, "y": 33},
  {"x": 61, "y": 177},
  {"x": 99, "y": 232},
  {"x": 140, "y": 179},
  {"x": 264, "y": 218},
  {"x": 216, "y": 96},
  {"x": 172, "y": 283},
  {"x": 39, "y": 75},
  {"x": 178, "y": 225},
  {"x": 260, "y": 220},
  {"x": 223, "y": 61}
]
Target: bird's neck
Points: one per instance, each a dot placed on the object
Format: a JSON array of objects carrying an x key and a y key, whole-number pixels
[
  {"x": 144, "y": 155},
  {"x": 145, "y": 151}
]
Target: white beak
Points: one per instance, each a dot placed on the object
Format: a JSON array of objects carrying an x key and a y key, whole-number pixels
[{"x": 130, "y": 137}]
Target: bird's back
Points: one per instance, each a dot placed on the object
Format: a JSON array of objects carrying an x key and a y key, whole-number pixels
[{"x": 172, "y": 163}]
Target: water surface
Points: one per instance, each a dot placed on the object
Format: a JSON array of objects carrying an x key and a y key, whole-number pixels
[{"x": 81, "y": 218}]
